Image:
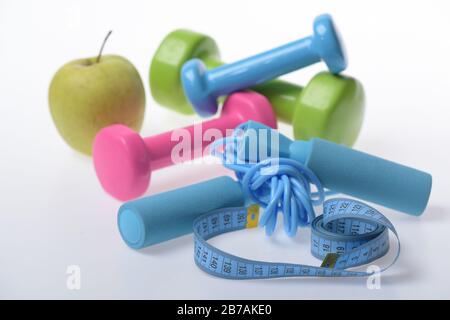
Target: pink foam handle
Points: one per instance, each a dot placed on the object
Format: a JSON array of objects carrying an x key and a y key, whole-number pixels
[{"x": 123, "y": 160}]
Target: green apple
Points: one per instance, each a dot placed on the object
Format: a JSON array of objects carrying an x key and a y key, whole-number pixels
[{"x": 86, "y": 95}]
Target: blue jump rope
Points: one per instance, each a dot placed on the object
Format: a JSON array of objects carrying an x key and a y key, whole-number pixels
[{"x": 348, "y": 234}]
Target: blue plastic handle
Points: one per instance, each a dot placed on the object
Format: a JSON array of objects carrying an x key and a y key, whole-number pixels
[
  {"x": 169, "y": 215},
  {"x": 364, "y": 176},
  {"x": 345, "y": 170},
  {"x": 203, "y": 87}
]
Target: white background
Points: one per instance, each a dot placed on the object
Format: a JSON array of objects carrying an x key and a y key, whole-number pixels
[{"x": 55, "y": 214}]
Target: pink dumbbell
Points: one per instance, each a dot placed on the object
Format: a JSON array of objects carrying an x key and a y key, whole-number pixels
[{"x": 124, "y": 161}]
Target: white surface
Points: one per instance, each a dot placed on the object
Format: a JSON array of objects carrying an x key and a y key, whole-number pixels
[{"x": 54, "y": 213}]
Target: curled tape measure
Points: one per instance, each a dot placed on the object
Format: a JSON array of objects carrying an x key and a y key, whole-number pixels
[{"x": 348, "y": 234}]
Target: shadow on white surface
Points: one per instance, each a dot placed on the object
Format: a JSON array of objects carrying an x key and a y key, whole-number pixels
[
  {"x": 169, "y": 247},
  {"x": 183, "y": 175}
]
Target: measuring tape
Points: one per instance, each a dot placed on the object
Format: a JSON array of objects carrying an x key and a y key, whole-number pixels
[{"x": 348, "y": 234}]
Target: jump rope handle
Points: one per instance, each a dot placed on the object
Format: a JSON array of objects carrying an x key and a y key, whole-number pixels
[
  {"x": 171, "y": 214},
  {"x": 364, "y": 176},
  {"x": 345, "y": 170}
]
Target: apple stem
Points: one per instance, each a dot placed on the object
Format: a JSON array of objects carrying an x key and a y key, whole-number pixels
[{"x": 103, "y": 45}]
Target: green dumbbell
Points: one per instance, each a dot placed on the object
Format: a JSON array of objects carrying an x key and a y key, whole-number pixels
[{"x": 330, "y": 106}]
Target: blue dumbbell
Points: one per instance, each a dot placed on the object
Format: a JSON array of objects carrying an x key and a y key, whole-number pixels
[{"x": 203, "y": 87}]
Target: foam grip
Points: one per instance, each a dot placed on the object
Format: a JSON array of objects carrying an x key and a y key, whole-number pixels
[
  {"x": 364, "y": 176},
  {"x": 154, "y": 219}
]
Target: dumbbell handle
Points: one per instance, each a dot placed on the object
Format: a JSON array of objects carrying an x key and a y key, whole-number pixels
[
  {"x": 160, "y": 146},
  {"x": 234, "y": 112},
  {"x": 262, "y": 67},
  {"x": 283, "y": 95}
]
